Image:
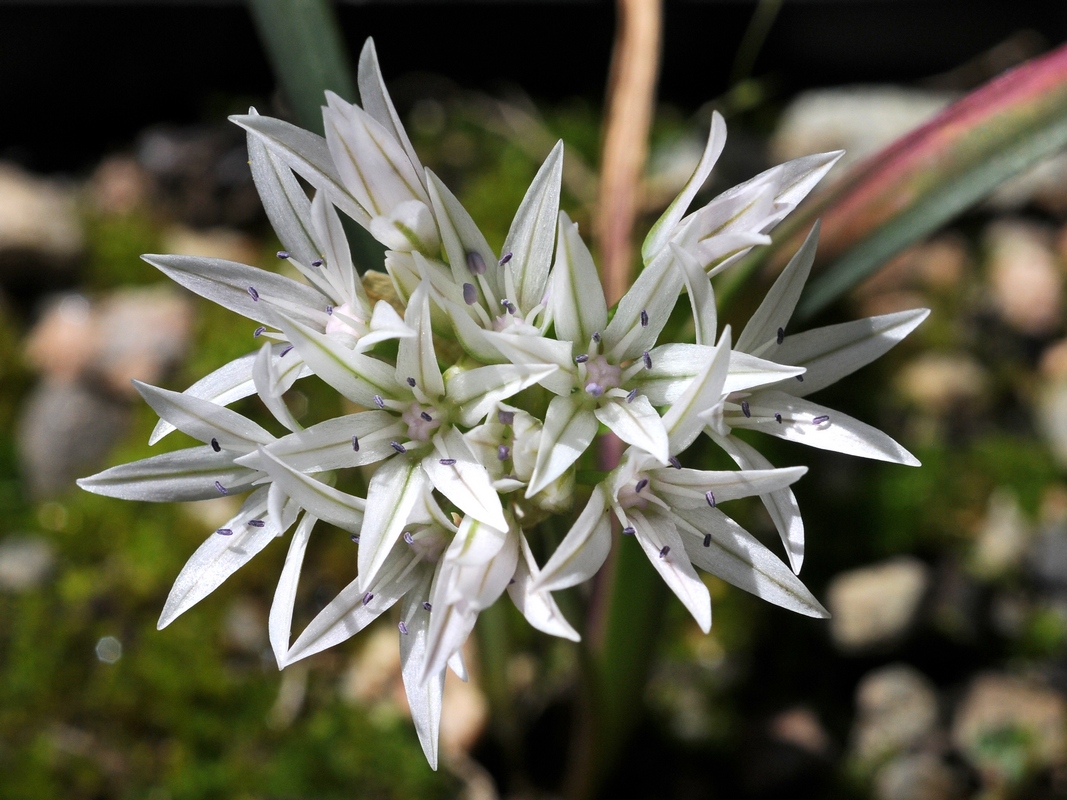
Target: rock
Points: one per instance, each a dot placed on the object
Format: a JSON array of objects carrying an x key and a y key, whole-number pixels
[
  {"x": 1024, "y": 277},
  {"x": 25, "y": 563},
  {"x": 64, "y": 432},
  {"x": 245, "y": 627},
  {"x": 119, "y": 185},
  {"x": 919, "y": 776},
  {"x": 1002, "y": 539},
  {"x": 1008, "y": 727},
  {"x": 1044, "y": 185},
  {"x": 896, "y": 710},
  {"x": 940, "y": 382},
  {"x": 875, "y": 606},
  {"x": 41, "y": 235},
  {"x": 801, "y": 728},
  {"x": 860, "y": 120},
  {"x": 1048, "y": 560},
  {"x": 224, "y": 243}
]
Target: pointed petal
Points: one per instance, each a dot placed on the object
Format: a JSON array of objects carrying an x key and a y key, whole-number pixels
[
  {"x": 344, "y": 510},
  {"x": 450, "y": 625},
  {"x": 532, "y": 236},
  {"x": 654, "y": 292},
  {"x": 636, "y": 423},
  {"x": 736, "y": 556},
  {"x": 280, "y": 623},
  {"x": 539, "y": 350},
  {"x": 266, "y": 387},
  {"x": 416, "y": 357},
  {"x": 395, "y": 488},
  {"x": 475, "y": 543},
  {"x": 686, "y": 487},
  {"x": 748, "y": 372},
  {"x": 204, "y": 420},
  {"x": 576, "y": 298},
  {"x": 333, "y": 248},
  {"x": 460, "y": 236},
  {"x": 582, "y": 551},
  {"x": 477, "y": 391},
  {"x": 328, "y": 445},
  {"x": 537, "y": 605},
  {"x": 189, "y": 474},
  {"x": 424, "y": 699},
  {"x": 569, "y": 429},
  {"x": 683, "y": 420},
  {"x": 655, "y": 531},
  {"x": 701, "y": 297},
  {"x": 466, "y": 483}
]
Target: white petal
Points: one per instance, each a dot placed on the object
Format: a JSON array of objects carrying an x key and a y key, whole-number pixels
[
  {"x": 537, "y": 605},
  {"x": 227, "y": 283},
  {"x": 460, "y": 236},
  {"x": 474, "y": 543},
  {"x": 654, "y": 292},
  {"x": 409, "y": 227},
  {"x": 568, "y": 431},
  {"x": 734, "y": 555},
  {"x": 479, "y": 390},
  {"x": 220, "y": 556},
  {"x": 532, "y": 236},
  {"x": 701, "y": 297},
  {"x": 189, "y": 474},
  {"x": 749, "y": 372},
  {"x": 582, "y": 551},
  {"x": 204, "y": 420},
  {"x": 683, "y": 419},
  {"x": 395, "y": 488},
  {"x": 674, "y": 366},
  {"x": 328, "y": 445},
  {"x": 636, "y": 423},
  {"x": 325, "y": 502},
  {"x": 685, "y": 488},
  {"x": 416, "y": 357},
  {"x": 266, "y": 387},
  {"x": 799, "y": 177},
  {"x": 539, "y": 350},
  {"x": 280, "y": 623},
  {"x": 424, "y": 699},
  {"x": 333, "y": 248},
  {"x": 656, "y": 533},
  {"x": 576, "y": 298},
  {"x": 838, "y": 432},
  {"x": 466, "y": 483},
  {"x": 450, "y": 625}
]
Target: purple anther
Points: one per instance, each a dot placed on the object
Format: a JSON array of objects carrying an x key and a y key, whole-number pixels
[
  {"x": 777, "y": 417},
  {"x": 329, "y": 311},
  {"x": 224, "y": 532},
  {"x": 664, "y": 551},
  {"x": 674, "y": 462},
  {"x": 504, "y": 259},
  {"x": 631, "y": 395},
  {"x": 800, "y": 378},
  {"x": 355, "y": 538},
  {"x": 710, "y": 497},
  {"x": 644, "y": 318},
  {"x": 781, "y": 335},
  {"x": 594, "y": 389},
  {"x": 503, "y": 453},
  {"x": 378, "y": 401},
  {"x": 317, "y": 262},
  {"x": 253, "y": 293},
  {"x": 629, "y": 530},
  {"x": 819, "y": 420},
  {"x": 259, "y": 331},
  {"x": 215, "y": 445},
  {"x": 427, "y": 606},
  {"x": 408, "y": 537},
  {"x": 581, "y": 359},
  {"x": 282, "y": 254},
  {"x": 367, "y": 598},
  {"x": 511, "y": 582},
  {"x": 470, "y": 294},
  {"x": 355, "y": 443},
  {"x": 256, "y": 523},
  {"x": 707, "y": 540},
  {"x": 641, "y": 484},
  {"x": 403, "y": 628},
  {"x": 285, "y": 351},
  {"x": 398, "y": 447},
  {"x": 425, "y": 416},
  {"x": 221, "y": 489},
  {"x": 447, "y": 462},
  {"x": 596, "y": 336},
  {"x": 509, "y": 306},
  {"x": 647, "y": 359},
  {"x": 745, "y": 409},
  {"x": 505, "y": 417},
  {"x": 475, "y": 262},
  {"x": 411, "y": 382}
]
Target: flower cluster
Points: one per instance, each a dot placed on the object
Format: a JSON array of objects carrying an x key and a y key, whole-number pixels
[{"x": 468, "y": 460}]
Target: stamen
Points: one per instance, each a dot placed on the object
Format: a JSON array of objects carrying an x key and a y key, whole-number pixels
[
  {"x": 664, "y": 551},
  {"x": 470, "y": 294},
  {"x": 629, "y": 530},
  {"x": 329, "y": 310},
  {"x": 398, "y": 447},
  {"x": 475, "y": 262},
  {"x": 220, "y": 487},
  {"x": 641, "y": 484},
  {"x": 367, "y": 598},
  {"x": 777, "y": 417},
  {"x": 411, "y": 382},
  {"x": 800, "y": 378},
  {"x": 503, "y": 453},
  {"x": 710, "y": 497},
  {"x": 355, "y": 443},
  {"x": 648, "y": 360},
  {"x": 707, "y": 540},
  {"x": 427, "y": 606},
  {"x": 581, "y": 359},
  {"x": 509, "y": 306},
  {"x": 594, "y": 389},
  {"x": 282, "y": 254},
  {"x": 403, "y": 628},
  {"x": 215, "y": 445},
  {"x": 745, "y": 409},
  {"x": 674, "y": 462},
  {"x": 317, "y": 262},
  {"x": 256, "y": 523},
  {"x": 819, "y": 420},
  {"x": 355, "y": 538},
  {"x": 644, "y": 318},
  {"x": 378, "y": 401},
  {"x": 426, "y": 416},
  {"x": 253, "y": 293},
  {"x": 224, "y": 532},
  {"x": 504, "y": 259},
  {"x": 781, "y": 335},
  {"x": 631, "y": 395},
  {"x": 505, "y": 417},
  {"x": 408, "y": 537},
  {"x": 285, "y": 352},
  {"x": 596, "y": 336},
  {"x": 259, "y": 331},
  {"x": 447, "y": 462}
]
